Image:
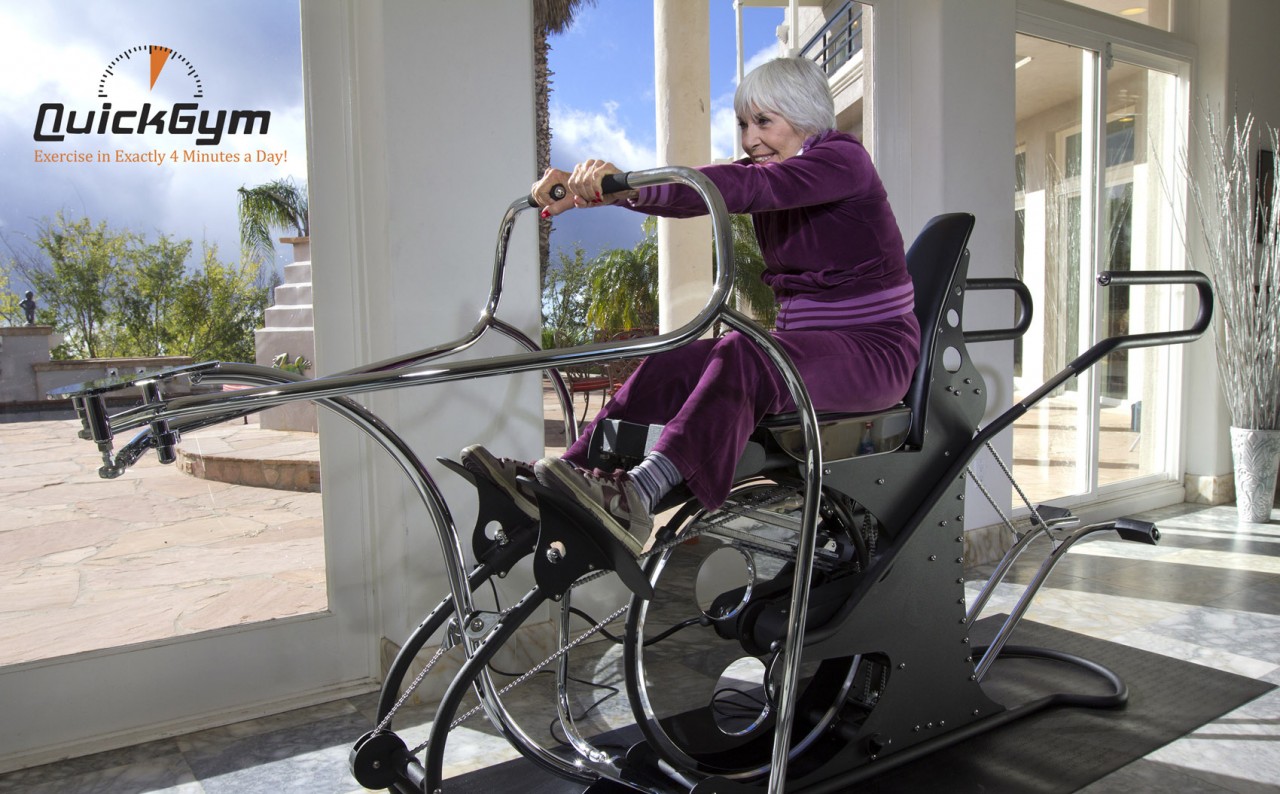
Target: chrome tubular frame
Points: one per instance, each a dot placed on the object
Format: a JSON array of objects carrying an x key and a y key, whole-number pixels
[
  {"x": 272, "y": 387},
  {"x": 806, "y": 544},
  {"x": 447, "y": 534}
]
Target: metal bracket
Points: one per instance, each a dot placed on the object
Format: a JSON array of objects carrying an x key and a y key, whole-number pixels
[{"x": 479, "y": 624}]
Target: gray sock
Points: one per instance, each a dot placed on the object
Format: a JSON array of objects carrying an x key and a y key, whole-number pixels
[{"x": 654, "y": 477}]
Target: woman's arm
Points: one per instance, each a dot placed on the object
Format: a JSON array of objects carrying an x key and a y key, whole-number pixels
[{"x": 827, "y": 172}]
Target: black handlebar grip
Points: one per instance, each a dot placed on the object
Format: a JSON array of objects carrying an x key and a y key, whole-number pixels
[
  {"x": 615, "y": 183},
  {"x": 557, "y": 192}
]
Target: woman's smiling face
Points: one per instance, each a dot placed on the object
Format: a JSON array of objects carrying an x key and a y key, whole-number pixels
[{"x": 768, "y": 137}]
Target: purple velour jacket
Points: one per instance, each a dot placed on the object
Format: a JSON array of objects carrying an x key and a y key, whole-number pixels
[{"x": 822, "y": 219}]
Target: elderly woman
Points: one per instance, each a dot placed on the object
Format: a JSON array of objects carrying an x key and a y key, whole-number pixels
[{"x": 835, "y": 260}]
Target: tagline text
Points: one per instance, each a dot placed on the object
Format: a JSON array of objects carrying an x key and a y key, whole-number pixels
[{"x": 161, "y": 157}]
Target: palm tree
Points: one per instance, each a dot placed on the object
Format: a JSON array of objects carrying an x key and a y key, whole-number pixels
[
  {"x": 748, "y": 289},
  {"x": 622, "y": 293},
  {"x": 277, "y": 204},
  {"x": 549, "y": 17}
]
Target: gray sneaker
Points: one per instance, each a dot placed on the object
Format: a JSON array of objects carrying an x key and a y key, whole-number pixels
[
  {"x": 608, "y": 498},
  {"x": 502, "y": 472}
]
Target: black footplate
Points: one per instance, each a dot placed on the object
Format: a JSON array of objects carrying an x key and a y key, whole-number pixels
[
  {"x": 500, "y": 524},
  {"x": 572, "y": 543},
  {"x": 1138, "y": 531}
]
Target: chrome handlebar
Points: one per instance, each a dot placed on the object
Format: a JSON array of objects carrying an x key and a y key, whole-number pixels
[{"x": 417, "y": 368}]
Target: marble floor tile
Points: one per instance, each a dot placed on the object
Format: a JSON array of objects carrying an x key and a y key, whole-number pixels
[
  {"x": 1150, "y": 775},
  {"x": 164, "y": 775},
  {"x": 151, "y": 767},
  {"x": 310, "y": 756}
]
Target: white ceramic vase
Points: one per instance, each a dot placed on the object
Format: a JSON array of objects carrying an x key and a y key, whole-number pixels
[{"x": 1256, "y": 455}]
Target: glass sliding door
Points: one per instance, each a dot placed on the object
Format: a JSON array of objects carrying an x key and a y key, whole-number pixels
[
  {"x": 1138, "y": 233},
  {"x": 1097, "y": 140},
  {"x": 178, "y": 597},
  {"x": 1050, "y": 439}
]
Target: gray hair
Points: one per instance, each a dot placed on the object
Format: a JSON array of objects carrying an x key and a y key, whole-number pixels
[{"x": 794, "y": 88}]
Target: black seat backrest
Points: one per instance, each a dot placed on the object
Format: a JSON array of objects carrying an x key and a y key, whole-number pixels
[{"x": 933, "y": 261}]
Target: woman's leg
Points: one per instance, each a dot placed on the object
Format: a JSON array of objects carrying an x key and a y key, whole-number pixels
[
  {"x": 864, "y": 370},
  {"x": 652, "y": 395},
  {"x": 711, "y": 395}
]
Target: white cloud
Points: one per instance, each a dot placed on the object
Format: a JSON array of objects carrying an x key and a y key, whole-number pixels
[
  {"x": 776, "y": 50},
  {"x": 583, "y": 134},
  {"x": 72, "y": 68},
  {"x": 724, "y": 122}
]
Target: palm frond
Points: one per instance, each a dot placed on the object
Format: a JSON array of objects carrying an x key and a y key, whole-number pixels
[{"x": 280, "y": 204}]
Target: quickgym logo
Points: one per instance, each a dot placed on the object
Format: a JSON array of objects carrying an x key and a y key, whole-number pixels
[{"x": 54, "y": 121}]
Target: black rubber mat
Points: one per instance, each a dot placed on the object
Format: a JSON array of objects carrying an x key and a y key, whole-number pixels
[{"x": 1056, "y": 750}]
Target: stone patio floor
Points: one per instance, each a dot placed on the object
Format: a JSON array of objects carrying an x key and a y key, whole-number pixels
[{"x": 88, "y": 563}]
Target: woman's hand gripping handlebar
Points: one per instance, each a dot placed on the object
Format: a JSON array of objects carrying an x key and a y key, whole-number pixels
[{"x": 559, "y": 191}]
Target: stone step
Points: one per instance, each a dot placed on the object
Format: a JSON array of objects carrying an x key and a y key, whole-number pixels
[
  {"x": 293, "y": 294},
  {"x": 295, "y": 316},
  {"x": 249, "y": 455},
  {"x": 297, "y": 273}
]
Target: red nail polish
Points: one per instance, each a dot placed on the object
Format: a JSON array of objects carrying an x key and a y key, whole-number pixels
[{"x": 546, "y": 214}]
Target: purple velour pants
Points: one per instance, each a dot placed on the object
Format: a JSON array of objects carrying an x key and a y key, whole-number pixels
[{"x": 711, "y": 393}]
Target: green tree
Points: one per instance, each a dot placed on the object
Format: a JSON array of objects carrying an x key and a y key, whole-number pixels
[
  {"x": 9, "y": 308},
  {"x": 279, "y": 204},
  {"x": 623, "y": 291},
  {"x": 749, "y": 290},
  {"x": 113, "y": 294},
  {"x": 564, "y": 305},
  {"x": 76, "y": 285},
  {"x": 222, "y": 304},
  {"x": 147, "y": 298}
]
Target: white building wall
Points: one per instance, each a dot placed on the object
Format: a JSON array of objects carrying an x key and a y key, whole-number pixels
[
  {"x": 1234, "y": 69},
  {"x": 421, "y": 133}
]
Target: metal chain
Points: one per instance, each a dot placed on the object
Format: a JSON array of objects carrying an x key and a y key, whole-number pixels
[
  {"x": 413, "y": 686},
  {"x": 991, "y": 501},
  {"x": 1035, "y": 514},
  {"x": 533, "y": 670}
]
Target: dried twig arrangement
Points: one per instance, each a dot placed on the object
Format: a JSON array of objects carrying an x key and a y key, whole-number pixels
[{"x": 1242, "y": 238}]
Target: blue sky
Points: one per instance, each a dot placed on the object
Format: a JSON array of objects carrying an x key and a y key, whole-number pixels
[{"x": 248, "y": 56}]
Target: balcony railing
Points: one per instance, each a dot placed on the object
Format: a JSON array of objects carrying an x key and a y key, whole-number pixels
[{"x": 838, "y": 41}]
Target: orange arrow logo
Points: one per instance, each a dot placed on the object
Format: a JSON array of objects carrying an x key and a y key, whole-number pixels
[{"x": 159, "y": 55}]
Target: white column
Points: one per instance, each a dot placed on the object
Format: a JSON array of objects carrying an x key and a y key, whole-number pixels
[
  {"x": 937, "y": 151},
  {"x": 683, "y": 82},
  {"x": 793, "y": 30},
  {"x": 403, "y": 220}
]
